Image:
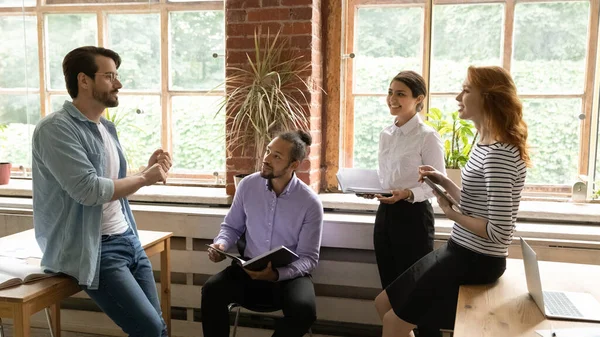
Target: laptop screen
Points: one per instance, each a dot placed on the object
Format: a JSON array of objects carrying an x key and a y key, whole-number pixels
[{"x": 532, "y": 274}]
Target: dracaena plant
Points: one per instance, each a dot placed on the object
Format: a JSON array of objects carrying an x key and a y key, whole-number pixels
[
  {"x": 266, "y": 95},
  {"x": 458, "y": 136}
]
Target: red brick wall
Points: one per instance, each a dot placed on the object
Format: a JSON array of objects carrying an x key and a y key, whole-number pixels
[{"x": 300, "y": 20}]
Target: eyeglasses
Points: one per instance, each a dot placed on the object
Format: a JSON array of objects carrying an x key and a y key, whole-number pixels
[{"x": 112, "y": 76}]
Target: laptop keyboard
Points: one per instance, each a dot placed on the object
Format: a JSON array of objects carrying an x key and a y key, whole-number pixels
[{"x": 558, "y": 304}]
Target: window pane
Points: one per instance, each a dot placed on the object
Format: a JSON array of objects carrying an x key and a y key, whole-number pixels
[
  {"x": 17, "y": 3},
  {"x": 139, "y": 49},
  {"x": 457, "y": 45},
  {"x": 198, "y": 135},
  {"x": 194, "y": 37},
  {"x": 371, "y": 115},
  {"x": 57, "y": 101},
  {"x": 554, "y": 139},
  {"x": 65, "y": 33},
  {"x": 19, "y": 113},
  {"x": 387, "y": 41},
  {"x": 446, "y": 104},
  {"x": 18, "y": 53},
  {"x": 139, "y": 128},
  {"x": 550, "y": 47}
]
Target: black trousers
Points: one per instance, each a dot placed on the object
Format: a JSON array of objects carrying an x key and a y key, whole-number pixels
[
  {"x": 403, "y": 234},
  {"x": 296, "y": 298}
]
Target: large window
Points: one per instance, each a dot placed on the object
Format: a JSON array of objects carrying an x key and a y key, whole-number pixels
[
  {"x": 545, "y": 45},
  {"x": 170, "y": 77}
]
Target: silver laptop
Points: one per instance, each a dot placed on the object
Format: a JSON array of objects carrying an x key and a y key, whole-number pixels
[{"x": 557, "y": 304}]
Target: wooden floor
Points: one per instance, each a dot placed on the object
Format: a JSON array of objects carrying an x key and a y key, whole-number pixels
[{"x": 35, "y": 332}]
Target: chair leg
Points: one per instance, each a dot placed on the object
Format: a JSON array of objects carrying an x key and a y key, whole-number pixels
[
  {"x": 235, "y": 323},
  {"x": 49, "y": 319},
  {"x": 1, "y": 328}
]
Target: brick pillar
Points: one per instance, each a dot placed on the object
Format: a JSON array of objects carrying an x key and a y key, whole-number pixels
[{"x": 300, "y": 20}]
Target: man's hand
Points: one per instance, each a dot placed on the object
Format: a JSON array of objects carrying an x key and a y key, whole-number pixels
[
  {"x": 267, "y": 274},
  {"x": 154, "y": 174},
  {"x": 161, "y": 157},
  {"x": 215, "y": 256}
]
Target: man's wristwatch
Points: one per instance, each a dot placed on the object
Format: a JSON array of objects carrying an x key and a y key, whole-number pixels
[{"x": 411, "y": 196}]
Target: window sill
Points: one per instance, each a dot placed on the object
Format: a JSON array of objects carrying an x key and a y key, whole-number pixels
[
  {"x": 166, "y": 194},
  {"x": 530, "y": 209}
]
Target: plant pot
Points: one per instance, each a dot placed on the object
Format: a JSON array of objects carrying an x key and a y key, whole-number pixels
[
  {"x": 237, "y": 178},
  {"x": 5, "y": 173},
  {"x": 454, "y": 175}
]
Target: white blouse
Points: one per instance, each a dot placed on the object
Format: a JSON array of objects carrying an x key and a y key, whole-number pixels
[{"x": 402, "y": 150}]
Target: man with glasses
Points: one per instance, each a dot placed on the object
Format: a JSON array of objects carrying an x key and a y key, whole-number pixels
[{"x": 82, "y": 219}]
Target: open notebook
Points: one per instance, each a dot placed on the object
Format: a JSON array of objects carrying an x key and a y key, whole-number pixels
[
  {"x": 14, "y": 272},
  {"x": 279, "y": 257}
]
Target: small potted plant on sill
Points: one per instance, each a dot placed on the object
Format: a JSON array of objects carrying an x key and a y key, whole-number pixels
[
  {"x": 458, "y": 136},
  {"x": 5, "y": 167},
  {"x": 265, "y": 97}
]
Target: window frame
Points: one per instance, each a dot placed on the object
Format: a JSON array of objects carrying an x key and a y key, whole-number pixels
[
  {"x": 587, "y": 96},
  {"x": 102, "y": 10}
]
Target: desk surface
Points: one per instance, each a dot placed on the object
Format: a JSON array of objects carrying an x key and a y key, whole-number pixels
[
  {"x": 27, "y": 291},
  {"x": 506, "y": 309}
]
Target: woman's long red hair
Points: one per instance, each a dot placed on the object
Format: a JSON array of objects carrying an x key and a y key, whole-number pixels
[{"x": 502, "y": 108}]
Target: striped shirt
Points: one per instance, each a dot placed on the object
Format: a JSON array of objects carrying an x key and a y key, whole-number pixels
[{"x": 492, "y": 183}]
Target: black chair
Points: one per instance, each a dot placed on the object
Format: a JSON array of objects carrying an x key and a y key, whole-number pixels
[{"x": 264, "y": 308}]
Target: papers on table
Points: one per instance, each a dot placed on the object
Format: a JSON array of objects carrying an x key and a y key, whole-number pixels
[{"x": 20, "y": 250}]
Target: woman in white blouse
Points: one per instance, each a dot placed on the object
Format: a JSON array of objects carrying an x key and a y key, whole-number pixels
[{"x": 404, "y": 224}]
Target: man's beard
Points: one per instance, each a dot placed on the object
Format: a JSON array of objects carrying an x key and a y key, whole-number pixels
[
  {"x": 272, "y": 174},
  {"x": 105, "y": 98}
]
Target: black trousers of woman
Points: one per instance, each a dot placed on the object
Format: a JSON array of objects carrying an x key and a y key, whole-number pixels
[{"x": 403, "y": 234}]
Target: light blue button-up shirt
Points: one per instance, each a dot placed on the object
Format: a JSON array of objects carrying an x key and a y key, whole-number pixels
[
  {"x": 69, "y": 188},
  {"x": 294, "y": 219}
]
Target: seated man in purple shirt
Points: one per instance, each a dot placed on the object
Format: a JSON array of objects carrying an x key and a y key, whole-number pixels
[{"x": 273, "y": 208}]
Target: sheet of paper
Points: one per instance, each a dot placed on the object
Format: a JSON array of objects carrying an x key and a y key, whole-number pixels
[
  {"x": 575, "y": 332},
  {"x": 20, "y": 250}
]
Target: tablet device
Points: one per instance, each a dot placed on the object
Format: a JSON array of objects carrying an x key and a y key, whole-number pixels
[{"x": 443, "y": 193}]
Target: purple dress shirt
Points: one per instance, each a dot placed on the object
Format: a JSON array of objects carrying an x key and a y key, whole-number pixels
[{"x": 294, "y": 219}]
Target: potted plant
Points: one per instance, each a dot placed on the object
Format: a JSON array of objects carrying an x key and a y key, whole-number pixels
[
  {"x": 265, "y": 97},
  {"x": 458, "y": 136},
  {"x": 4, "y": 166}
]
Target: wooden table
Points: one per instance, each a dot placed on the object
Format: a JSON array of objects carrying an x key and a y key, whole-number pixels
[
  {"x": 20, "y": 302},
  {"x": 506, "y": 309}
]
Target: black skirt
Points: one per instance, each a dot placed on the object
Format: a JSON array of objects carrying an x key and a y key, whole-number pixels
[
  {"x": 427, "y": 293},
  {"x": 402, "y": 235}
]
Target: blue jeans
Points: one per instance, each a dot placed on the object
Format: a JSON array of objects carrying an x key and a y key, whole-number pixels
[{"x": 127, "y": 291}]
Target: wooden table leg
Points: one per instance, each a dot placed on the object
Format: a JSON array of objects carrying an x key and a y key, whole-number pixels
[
  {"x": 165, "y": 283},
  {"x": 55, "y": 315},
  {"x": 21, "y": 321}
]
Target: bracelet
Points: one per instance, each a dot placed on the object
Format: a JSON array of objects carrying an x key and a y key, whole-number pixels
[{"x": 411, "y": 196}]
